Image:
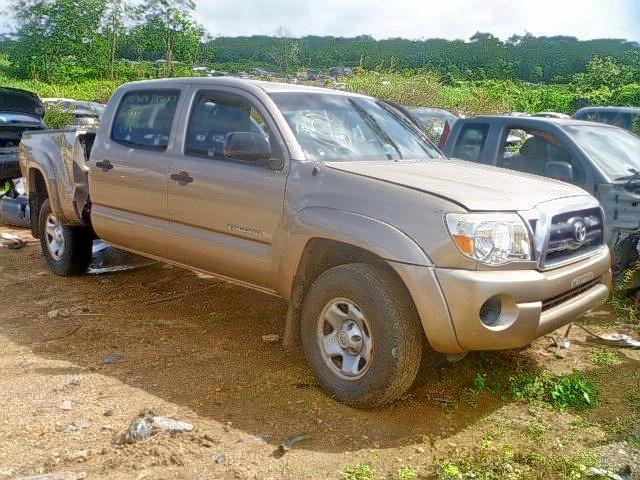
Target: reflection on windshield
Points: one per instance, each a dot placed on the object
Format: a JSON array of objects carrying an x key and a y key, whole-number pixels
[
  {"x": 613, "y": 149},
  {"x": 332, "y": 127}
]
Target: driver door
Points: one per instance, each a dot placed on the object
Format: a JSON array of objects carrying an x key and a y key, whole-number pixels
[{"x": 224, "y": 212}]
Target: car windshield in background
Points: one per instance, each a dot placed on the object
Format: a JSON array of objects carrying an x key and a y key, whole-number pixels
[
  {"x": 331, "y": 127},
  {"x": 615, "y": 150},
  {"x": 622, "y": 119},
  {"x": 88, "y": 106},
  {"x": 15, "y": 118},
  {"x": 428, "y": 116}
]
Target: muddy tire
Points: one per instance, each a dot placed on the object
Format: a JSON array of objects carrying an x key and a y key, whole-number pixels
[
  {"x": 66, "y": 249},
  {"x": 361, "y": 334}
]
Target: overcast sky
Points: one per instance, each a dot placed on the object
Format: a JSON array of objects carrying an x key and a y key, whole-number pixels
[
  {"x": 416, "y": 19},
  {"x": 424, "y": 18}
]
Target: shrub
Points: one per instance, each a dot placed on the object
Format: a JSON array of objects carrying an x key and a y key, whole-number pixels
[
  {"x": 628, "y": 95},
  {"x": 56, "y": 117}
]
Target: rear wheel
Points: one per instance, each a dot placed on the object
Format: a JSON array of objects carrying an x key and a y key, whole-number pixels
[
  {"x": 361, "y": 334},
  {"x": 66, "y": 249}
]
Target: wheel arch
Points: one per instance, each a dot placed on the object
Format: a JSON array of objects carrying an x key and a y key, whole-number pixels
[
  {"x": 38, "y": 192},
  {"x": 320, "y": 228},
  {"x": 323, "y": 238}
]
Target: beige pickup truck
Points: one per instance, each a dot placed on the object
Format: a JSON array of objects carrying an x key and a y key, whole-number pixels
[{"x": 331, "y": 200}]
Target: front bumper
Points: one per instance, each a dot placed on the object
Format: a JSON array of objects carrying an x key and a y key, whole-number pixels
[{"x": 534, "y": 303}]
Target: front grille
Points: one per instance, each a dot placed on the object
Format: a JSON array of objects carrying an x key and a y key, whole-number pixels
[
  {"x": 573, "y": 234},
  {"x": 563, "y": 297}
]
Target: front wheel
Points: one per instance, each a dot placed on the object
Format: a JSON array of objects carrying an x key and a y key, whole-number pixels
[
  {"x": 66, "y": 249},
  {"x": 361, "y": 334}
]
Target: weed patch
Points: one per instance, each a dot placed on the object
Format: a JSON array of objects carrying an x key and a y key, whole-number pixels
[
  {"x": 504, "y": 464},
  {"x": 407, "y": 473},
  {"x": 633, "y": 398},
  {"x": 360, "y": 471},
  {"x": 604, "y": 357},
  {"x": 565, "y": 391}
]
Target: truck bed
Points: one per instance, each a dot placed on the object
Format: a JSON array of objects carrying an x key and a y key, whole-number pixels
[{"x": 58, "y": 158}]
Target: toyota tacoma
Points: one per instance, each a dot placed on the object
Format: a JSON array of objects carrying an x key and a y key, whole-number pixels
[{"x": 337, "y": 202}]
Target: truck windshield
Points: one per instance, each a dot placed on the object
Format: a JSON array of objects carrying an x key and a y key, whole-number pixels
[
  {"x": 614, "y": 150},
  {"x": 333, "y": 127}
]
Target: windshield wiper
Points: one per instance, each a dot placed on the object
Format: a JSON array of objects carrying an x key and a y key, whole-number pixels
[
  {"x": 635, "y": 176},
  {"x": 369, "y": 120}
]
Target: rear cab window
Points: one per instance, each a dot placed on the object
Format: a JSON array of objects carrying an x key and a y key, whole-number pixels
[
  {"x": 144, "y": 118},
  {"x": 471, "y": 142}
]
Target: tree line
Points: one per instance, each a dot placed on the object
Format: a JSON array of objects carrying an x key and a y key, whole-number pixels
[{"x": 62, "y": 40}]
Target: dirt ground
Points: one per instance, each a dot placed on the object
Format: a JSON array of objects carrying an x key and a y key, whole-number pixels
[{"x": 191, "y": 348}]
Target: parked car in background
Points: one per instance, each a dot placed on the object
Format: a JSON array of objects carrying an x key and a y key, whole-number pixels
[
  {"x": 603, "y": 160},
  {"x": 435, "y": 122},
  {"x": 550, "y": 115},
  {"x": 623, "y": 117},
  {"x": 85, "y": 114},
  {"x": 20, "y": 111},
  {"x": 331, "y": 200}
]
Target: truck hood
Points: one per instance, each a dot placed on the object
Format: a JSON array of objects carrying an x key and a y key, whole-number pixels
[{"x": 474, "y": 186}]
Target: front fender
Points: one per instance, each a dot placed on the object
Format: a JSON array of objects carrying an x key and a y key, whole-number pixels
[
  {"x": 402, "y": 254},
  {"x": 379, "y": 238}
]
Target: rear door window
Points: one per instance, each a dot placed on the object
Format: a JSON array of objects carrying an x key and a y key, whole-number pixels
[
  {"x": 530, "y": 150},
  {"x": 471, "y": 142},
  {"x": 144, "y": 118}
]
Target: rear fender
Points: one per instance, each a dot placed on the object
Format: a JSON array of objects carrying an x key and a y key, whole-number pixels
[{"x": 59, "y": 157}]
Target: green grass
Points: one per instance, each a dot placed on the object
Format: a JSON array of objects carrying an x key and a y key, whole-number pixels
[
  {"x": 507, "y": 464},
  {"x": 633, "y": 398},
  {"x": 94, "y": 90},
  {"x": 480, "y": 382},
  {"x": 623, "y": 306},
  {"x": 565, "y": 391},
  {"x": 486, "y": 464},
  {"x": 361, "y": 471},
  {"x": 407, "y": 473},
  {"x": 536, "y": 429},
  {"x": 604, "y": 357}
]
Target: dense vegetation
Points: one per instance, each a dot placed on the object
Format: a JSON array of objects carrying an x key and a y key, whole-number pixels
[{"x": 86, "y": 48}]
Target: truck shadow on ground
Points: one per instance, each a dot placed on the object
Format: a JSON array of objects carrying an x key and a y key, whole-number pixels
[{"x": 197, "y": 342}]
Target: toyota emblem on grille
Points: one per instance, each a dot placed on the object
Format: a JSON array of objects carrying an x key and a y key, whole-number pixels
[{"x": 579, "y": 231}]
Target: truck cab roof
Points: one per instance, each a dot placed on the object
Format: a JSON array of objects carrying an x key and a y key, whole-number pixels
[
  {"x": 264, "y": 86},
  {"x": 527, "y": 121}
]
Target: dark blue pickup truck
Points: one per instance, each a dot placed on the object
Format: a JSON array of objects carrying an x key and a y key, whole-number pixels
[{"x": 602, "y": 159}]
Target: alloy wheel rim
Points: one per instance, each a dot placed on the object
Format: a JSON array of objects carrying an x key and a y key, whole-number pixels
[
  {"x": 345, "y": 339},
  {"x": 54, "y": 237}
]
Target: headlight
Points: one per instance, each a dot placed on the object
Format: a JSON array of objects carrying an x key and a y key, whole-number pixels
[{"x": 491, "y": 238}]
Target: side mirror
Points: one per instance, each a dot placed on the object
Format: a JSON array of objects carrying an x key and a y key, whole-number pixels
[
  {"x": 247, "y": 146},
  {"x": 559, "y": 170}
]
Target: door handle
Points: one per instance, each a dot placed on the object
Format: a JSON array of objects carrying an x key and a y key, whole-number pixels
[
  {"x": 104, "y": 165},
  {"x": 182, "y": 178}
]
